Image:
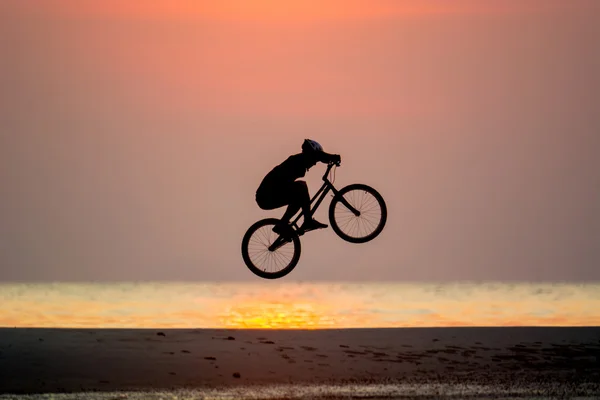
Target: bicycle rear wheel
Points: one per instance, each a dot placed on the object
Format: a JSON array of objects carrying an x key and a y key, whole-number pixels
[
  {"x": 371, "y": 215},
  {"x": 267, "y": 254}
]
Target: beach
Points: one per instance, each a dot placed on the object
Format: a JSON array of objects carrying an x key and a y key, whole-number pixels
[{"x": 517, "y": 360}]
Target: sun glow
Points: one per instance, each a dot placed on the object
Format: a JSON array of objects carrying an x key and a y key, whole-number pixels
[{"x": 278, "y": 315}]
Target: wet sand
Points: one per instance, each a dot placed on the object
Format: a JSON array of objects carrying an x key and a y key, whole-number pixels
[{"x": 561, "y": 360}]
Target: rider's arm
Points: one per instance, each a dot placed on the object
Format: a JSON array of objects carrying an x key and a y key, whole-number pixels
[{"x": 327, "y": 158}]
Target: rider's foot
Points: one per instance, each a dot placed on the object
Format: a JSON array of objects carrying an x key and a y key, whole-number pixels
[
  {"x": 312, "y": 224},
  {"x": 283, "y": 229}
]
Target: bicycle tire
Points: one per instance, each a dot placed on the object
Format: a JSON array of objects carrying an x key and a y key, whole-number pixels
[
  {"x": 347, "y": 193},
  {"x": 263, "y": 240}
]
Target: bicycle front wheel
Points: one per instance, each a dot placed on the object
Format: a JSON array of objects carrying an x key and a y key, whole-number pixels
[
  {"x": 267, "y": 254},
  {"x": 368, "y": 221}
]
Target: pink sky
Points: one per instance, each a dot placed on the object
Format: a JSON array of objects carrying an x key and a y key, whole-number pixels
[
  {"x": 289, "y": 11},
  {"x": 135, "y": 134}
]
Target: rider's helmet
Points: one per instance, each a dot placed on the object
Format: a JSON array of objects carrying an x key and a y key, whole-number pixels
[{"x": 310, "y": 146}]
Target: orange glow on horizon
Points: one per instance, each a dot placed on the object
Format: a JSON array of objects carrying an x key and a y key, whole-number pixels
[{"x": 314, "y": 306}]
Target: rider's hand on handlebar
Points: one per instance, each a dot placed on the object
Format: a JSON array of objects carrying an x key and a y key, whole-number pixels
[{"x": 336, "y": 159}]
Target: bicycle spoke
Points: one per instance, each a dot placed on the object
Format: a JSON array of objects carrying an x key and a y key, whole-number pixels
[
  {"x": 268, "y": 263},
  {"x": 257, "y": 255},
  {"x": 262, "y": 259},
  {"x": 359, "y": 226},
  {"x": 256, "y": 239},
  {"x": 355, "y": 226},
  {"x": 371, "y": 223},
  {"x": 281, "y": 258},
  {"x": 263, "y": 233}
]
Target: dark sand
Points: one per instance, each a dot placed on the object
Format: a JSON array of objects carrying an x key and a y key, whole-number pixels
[{"x": 562, "y": 360}]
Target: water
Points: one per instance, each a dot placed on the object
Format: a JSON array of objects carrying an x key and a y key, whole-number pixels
[{"x": 297, "y": 305}]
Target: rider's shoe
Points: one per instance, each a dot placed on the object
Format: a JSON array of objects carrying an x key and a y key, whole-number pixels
[
  {"x": 311, "y": 225},
  {"x": 284, "y": 230}
]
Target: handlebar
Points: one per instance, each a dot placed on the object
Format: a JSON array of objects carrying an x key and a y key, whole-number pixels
[{"x": 329, "y": 166}]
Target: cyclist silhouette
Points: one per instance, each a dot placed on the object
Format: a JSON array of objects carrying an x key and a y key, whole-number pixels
[{"x": 280, "y": 187}]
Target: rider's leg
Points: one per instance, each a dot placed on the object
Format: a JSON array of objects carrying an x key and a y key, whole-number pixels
[{"x": 299, "y": 198}]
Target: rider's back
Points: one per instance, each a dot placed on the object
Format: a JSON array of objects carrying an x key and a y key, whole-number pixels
[{"x": 292, "y": 168}]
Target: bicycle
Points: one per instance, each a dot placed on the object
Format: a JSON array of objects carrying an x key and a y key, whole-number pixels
[{"x": 353, "y": 218}]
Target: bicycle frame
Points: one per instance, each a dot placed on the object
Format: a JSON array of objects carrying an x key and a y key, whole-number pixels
[
  {"x": 316, "y": 200},
  {"x": 320, "y": 196}
]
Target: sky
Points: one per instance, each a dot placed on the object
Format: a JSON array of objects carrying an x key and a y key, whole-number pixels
[{"x": 133, "y": 135}]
